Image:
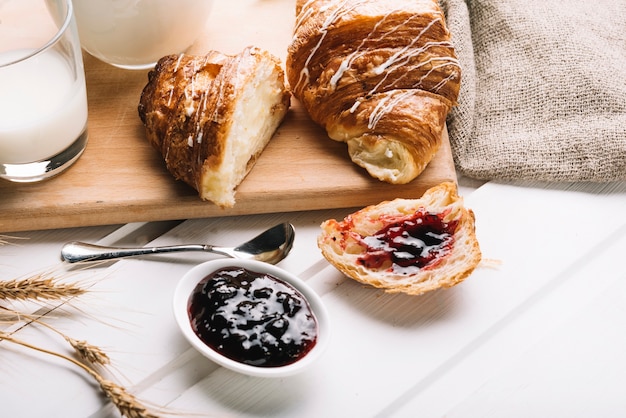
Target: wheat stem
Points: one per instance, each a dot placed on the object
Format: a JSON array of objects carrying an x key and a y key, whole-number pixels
[
  {"x": 86, "y": 351},
  {"x": 126, "y": 403},
  {"x": 4, "y": 239}
]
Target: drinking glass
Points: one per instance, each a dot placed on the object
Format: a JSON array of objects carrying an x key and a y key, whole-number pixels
[
  {"x": 43, "y": 99},
  {"x": 134, "y": 34}
]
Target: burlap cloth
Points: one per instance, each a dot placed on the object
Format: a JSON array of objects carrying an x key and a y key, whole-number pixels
[{"x": 543, "y": 93}]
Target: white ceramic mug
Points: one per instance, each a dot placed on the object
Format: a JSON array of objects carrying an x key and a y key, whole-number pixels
[
  {"x": 43, "y": 98},
  {"x": 134, "y": 34}
]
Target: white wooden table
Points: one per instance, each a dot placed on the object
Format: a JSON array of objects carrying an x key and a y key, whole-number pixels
[{"x": 541, "y": 334}]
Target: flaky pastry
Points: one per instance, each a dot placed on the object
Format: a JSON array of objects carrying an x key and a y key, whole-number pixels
[
  {"x": 380, "y": 75},
  {"x": 211, "y": 116},
  {"x": 406, "y": 245}
]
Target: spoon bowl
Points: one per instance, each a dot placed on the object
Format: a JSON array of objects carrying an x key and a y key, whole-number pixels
[{"x": 271, "y": 246}]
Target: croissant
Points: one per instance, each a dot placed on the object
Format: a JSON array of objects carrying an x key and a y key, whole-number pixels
[
  {"x": 380, "y": 75},
  {"x": 211, "y": 116},
  {"x": 406, "y": 245}
]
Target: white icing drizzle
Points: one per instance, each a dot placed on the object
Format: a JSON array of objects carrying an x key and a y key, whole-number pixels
[
  {"x": 384, "y": 106},
  {"x": 444, "y": 63},
  {"x": 198, "y": 133},
  {"x": 338, "y": 9},
  {"x": 189, "y": 92},
  {"x": 347, "y": 62},
  {"x": 180, "y": 58},
  {"x": 404, "y": 51},
  {"x": 355, "y": 106},
  {"x": 443, "y": 82},
  {"x": 399, "y": 59},
  {"x": 220, "y": 98},
  {"x": 305, "y": 12},
  {"x": 169, "y": 99}
]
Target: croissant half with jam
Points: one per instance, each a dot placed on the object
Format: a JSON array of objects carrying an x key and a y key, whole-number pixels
[
  {"x": 380, "y": 75},
  {"x": 411, "y": 246}
]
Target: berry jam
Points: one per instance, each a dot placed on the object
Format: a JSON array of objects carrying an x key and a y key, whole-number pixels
[
  {"x": 253, "y": 318},
  {"x": 412, "y": 242}
]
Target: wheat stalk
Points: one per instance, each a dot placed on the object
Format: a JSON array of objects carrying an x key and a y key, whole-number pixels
[
  {"x": 4, "y": 239},
  {"x": 128, "y": 405},
  {"x": 38, "y": 287},
  {"x": 85, "y": 351},
  {"x": 9, "y": 315}
]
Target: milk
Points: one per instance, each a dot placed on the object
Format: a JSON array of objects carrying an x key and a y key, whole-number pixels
[
  {"x": 43, "y": 107},
  {"x": 136, "y": 33}
]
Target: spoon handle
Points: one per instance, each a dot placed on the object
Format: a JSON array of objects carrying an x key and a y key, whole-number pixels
[{"x": 75, "y": 252}]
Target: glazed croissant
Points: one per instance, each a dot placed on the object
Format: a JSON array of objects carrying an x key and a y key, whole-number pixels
[
  {"x": 211, "y": 116},
  {"x": 380, "y": 75}
]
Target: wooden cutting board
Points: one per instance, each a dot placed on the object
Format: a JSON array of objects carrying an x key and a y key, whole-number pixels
[{"x": 121, "y": 179}]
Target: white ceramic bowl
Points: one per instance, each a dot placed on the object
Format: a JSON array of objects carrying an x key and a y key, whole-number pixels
[{"x": 189, "y": 281}]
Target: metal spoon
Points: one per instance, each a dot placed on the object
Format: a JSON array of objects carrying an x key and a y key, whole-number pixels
[{"x": 270, "y": 246}]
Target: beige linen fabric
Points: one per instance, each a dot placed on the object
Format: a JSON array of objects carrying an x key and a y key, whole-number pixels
[{"x": 543, "y": 94}]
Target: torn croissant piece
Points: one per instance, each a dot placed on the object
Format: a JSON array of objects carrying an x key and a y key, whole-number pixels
[
  {"x": 380, "y": 75},
  {"x": 211, "y": 116},
  {"x": 406, "y": 245}
]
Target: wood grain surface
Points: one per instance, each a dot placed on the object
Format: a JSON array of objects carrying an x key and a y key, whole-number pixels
[{"x": 121, "y": 179}]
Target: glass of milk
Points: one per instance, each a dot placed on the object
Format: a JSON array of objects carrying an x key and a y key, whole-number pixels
[
  {"x": 43, "y": 100},
  {"x": 134, "y": 34}
]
